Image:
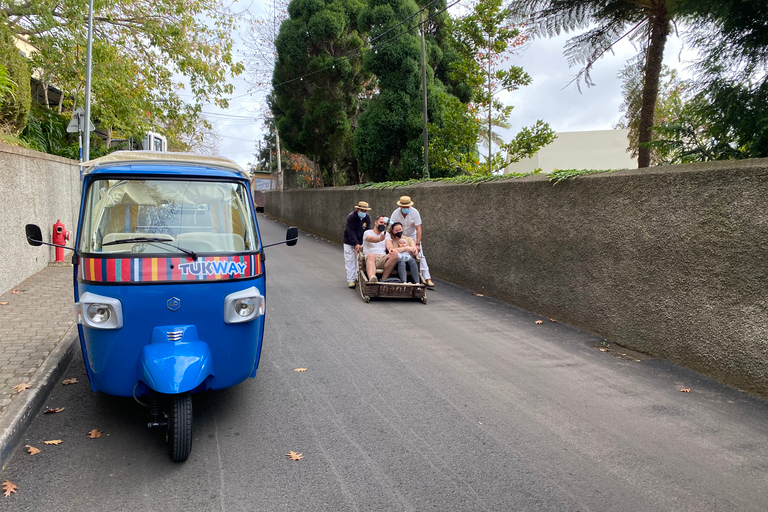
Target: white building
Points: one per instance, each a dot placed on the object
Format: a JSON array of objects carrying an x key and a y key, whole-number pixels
[{"x": 601, "y": 149}]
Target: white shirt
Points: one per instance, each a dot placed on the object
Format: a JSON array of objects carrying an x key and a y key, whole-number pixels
[
  {"x": 371, "y": 247},
  {"x": 409, "y": 221}
]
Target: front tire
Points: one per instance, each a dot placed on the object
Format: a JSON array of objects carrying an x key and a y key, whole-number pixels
[{"x": 179, "y": 435}]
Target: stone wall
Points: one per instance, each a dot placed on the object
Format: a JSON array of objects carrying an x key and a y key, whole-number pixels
[
  {"x": 36, "y": 189},
  {"x": 669, "y": 261}
]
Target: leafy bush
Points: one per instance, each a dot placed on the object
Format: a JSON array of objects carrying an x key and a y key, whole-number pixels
[
  {"x": 15, "y": 99},
  {"x": 46, "y": 132}
]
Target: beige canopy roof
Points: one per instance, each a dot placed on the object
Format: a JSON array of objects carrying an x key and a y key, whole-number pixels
[{"x": 155, "y": 157}]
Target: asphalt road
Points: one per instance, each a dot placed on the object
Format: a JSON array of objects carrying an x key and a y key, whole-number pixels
[{"x": 461, "y": 404}]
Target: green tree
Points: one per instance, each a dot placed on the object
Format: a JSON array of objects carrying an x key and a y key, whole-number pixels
[
  {"x": 7, "y": 85},
  {"x": 732, "y": 76},
  {"x": 316, "y": 84},
  {"x": 144, "y": 54},
  {"x": 672, "y": 93},
  {"x": 487, "y": 39},
  {"x": 389, "y": 140},
  {"x": 16, "y": 97},
  {"x": 605, "y": 22},
  {"x": 453, "y": 143}
]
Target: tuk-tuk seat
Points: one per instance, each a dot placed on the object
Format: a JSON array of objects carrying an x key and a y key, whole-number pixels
[{"x": 224, "y": 242}]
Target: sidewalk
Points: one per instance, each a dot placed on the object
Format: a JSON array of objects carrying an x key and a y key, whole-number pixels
[{"x": 37, "y": 340}]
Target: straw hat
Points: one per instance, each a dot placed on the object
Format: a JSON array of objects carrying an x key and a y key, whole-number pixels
[
  {"x": 362, "y": 205},
  {"x": 405, "y": 201}
]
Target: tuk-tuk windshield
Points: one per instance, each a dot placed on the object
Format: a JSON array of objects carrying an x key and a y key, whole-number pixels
[{"x": 167, "y": 216}]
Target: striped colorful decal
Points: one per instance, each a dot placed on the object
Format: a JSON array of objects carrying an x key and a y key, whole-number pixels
[{"x": 159, "y": 270}]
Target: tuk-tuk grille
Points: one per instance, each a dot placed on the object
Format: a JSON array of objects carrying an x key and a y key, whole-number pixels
[{"x": 174, "y": 335}]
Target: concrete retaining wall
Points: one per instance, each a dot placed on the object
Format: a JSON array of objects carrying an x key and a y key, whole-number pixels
[
  {"x": 36, "y": 189},
  {"x": 669, "y": 261}
]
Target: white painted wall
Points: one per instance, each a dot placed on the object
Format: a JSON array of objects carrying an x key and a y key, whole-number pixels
[
  {"x": 602, "y": 149},
  {"x": 35, "y": 188}
]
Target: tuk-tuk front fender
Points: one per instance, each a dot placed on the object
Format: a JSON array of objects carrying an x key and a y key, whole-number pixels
[{"x": 173, "y": 367}]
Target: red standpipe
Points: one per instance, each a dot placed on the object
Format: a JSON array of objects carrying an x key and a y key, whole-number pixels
[{"x": 60, "y": 237}]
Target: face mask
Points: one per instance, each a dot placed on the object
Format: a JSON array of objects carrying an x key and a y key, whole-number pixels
[
  {"x": 361, "y": 214},
  {"x": 381, "y": 227},
  {"x": 406, "y": 211},
  {"x": 397, "y": 235}
]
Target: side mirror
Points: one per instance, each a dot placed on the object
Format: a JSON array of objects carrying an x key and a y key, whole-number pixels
[
  {"x": 34, "y": 235},
  {"x": 291, "y": 236}
]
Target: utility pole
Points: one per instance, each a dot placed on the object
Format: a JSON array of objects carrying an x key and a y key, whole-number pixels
[
  {"x": 87, "y": 141},
  {"x": 490, "y": 106},
  {"x": 424, "y": 95},
  {"x": 279, "y": 163}
]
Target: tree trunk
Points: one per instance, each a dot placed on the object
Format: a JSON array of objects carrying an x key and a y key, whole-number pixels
[
  {"x": 653, "y": 61},
  {"x": 109, "y": 137},
  {"x": 45, "y": 94},
  {"x": 61, "y": 101}
]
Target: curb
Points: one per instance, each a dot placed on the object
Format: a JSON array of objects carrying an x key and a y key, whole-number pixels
[{"x": 22, "y": 410}]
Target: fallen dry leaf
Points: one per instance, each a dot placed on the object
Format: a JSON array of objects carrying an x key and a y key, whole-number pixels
[
  {"x": 686, "y": 390},
  {"x": 477, "y": 294},
  {"x": 4, "y": 303},
  {"x": 294, "y": 456},
  {"x": 21, "y": 387},
  {"x": 93, "y": 434},
  {"x": 55, "y": 441},
  {"x": 8, "y": 487},
  {"x": 51, "y": 411},
  {"x": 603, "y": 350},
  {"x": 299, "y": 369},
  {"x": 15, "y": 292},
  {"x": 66, "y": 382},
  {"x": 553, "y": 320},
  {"x": 539, "y": 322},
  {"x": 32, "y": 450}
]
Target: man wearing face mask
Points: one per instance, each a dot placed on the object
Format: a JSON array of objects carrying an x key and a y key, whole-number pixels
[
  {"x": 405, "y": 248},
  {"x": 411, "y": 221},
  {"x": 357, "y": 223},
  {"x": 375, "y": 251}
]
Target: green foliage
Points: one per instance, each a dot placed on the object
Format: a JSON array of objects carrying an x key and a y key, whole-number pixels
[
  {"x": 144, "y": 53},
  {"x": 453, "y": 144},
  {"x": 474, "y": 179},
  {"x": 486, "y": 39},
  {"x": 46, "y": 131},
  {"x": 529, "y": 140},
  {"x": 560, "y": 175},
  {"x": 315, "y": 115},
  {"x": 732, "y": 76},
  {"x": 15, "y": 97},
  {"x": 669, "y": 100},
  {"x": 730, "y": 124},
  {"x": 389, "y": 136},
  {"x": 7, "y": 85},
  {"x": 603, "y": 23}
]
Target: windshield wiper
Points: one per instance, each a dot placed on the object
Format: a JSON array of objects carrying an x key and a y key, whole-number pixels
[{"x": 147, "y": 239}]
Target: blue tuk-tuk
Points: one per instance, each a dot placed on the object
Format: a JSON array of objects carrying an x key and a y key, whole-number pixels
[{"x": 169, "y": 281}]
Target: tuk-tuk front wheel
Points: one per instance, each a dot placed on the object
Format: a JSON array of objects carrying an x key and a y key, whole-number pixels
[{"x": 179, "y": 434}]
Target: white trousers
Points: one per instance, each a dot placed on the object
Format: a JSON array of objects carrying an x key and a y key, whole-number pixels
[
  {"x": 423, "y": 263},
  {"x": 349, "y": 262}
]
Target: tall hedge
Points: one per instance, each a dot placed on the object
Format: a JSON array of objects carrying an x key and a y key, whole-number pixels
[{"x": 14, "y": 106}]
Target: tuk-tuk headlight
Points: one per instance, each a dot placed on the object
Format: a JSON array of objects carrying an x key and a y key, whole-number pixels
[
  {"x": 243, "y": 306},
  {"x": 99, "y": 312}
]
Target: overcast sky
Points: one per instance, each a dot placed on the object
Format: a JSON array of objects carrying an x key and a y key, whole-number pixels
[{"x": 548, "y": 98}]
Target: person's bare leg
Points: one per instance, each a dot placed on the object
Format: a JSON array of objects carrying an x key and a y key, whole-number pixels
[
  {"x": 370, "y": 265},
  {"x": 389, "y": 265}
]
